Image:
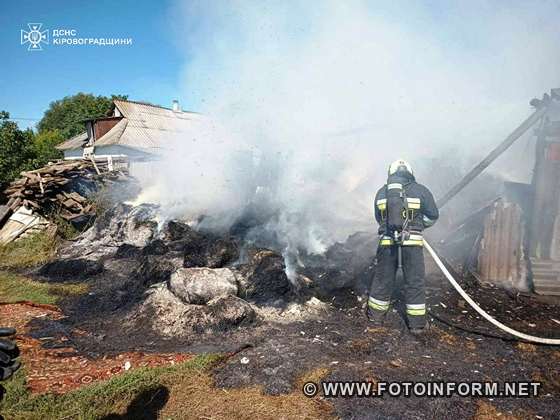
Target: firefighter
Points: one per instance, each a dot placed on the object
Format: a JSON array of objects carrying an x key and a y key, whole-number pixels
[
  {"x": 9, "y": 353},
  {"x": 403, "y": 209}
]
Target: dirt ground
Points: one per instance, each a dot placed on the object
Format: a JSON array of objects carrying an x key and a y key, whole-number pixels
[
  {"x": 341, "y": 343},
  {"x": 53, "y": 365}
]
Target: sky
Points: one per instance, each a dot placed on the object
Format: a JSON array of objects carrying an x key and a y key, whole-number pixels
[
  {"x": 167, "y": 36},
  {"x": 146, "y": 70}
]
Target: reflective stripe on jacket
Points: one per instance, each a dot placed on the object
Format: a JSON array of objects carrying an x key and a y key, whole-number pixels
[
  {"x": 415, "y": 239},
  {"x": 422, "y": 208}
]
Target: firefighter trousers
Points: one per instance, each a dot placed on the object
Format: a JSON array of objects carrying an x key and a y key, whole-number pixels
[{"x": 383, "y": 284}]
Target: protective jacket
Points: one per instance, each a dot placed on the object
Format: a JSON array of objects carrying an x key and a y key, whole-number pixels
[
  {"x": 417, "y": 206},
  {"x": 422, "y": 209}
]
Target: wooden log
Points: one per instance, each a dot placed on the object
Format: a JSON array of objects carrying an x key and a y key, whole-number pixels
[
  {"x": 95, "y": 166},
  {"x": 74, "y": 195},
  {"x": 31, "y": 203},
  {"x": 41, "y": 184},
  {"x": 5, "y": 213},
  {"x": 69, "y": 203},
  {"x": 67, "y": 215},
  {"x": 15, "y": 205},
  {"x": 502, "y": 147}
]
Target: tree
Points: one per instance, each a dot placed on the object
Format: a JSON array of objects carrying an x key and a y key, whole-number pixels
[
  {"x": 44, "y": 147},
  {"x": 17, "y": 150},
  {"x": 67, "y": 115},
  {"x": 22, "y": 150}
]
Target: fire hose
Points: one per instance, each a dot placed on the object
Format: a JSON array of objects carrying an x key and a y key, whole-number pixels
[{"x": 470, "y": 301}]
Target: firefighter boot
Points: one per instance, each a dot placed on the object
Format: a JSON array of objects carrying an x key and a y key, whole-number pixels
[{"x": 376, "y": 311}]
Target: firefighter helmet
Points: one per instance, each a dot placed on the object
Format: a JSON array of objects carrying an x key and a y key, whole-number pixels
[{"x": 401, "y": 167}]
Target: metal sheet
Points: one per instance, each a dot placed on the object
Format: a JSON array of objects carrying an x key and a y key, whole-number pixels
[
  {"x": 546, "y": 204},
  {"x": 546, "y": 276},
  {"x": 501, "y": 259},
  {"x": 113, "y": 135},
  {"x": 104, "y": 125}
]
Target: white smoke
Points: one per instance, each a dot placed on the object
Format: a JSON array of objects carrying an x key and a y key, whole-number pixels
[{"x": 324, "y": 95}]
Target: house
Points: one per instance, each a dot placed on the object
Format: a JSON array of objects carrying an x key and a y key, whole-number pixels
[{"x": 135, "y": 132}]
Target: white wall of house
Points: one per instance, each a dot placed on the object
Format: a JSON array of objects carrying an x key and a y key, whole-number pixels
[
  {"x": 116, "y": 150},
  {"x": 141, "y": 164},
  {"x": 73, "y": 153},
  {"x": 113, "y": 150}
]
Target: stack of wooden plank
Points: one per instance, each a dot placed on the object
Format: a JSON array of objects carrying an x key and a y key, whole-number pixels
[{"x": 43, "y": 189}]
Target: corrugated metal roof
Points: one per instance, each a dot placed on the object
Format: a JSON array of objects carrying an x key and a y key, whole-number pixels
[
  {"x": 146, "y": 112},
  {"x": 149, "y": 126},
  {"x": 74, "y": 143},
  {"x": 146, "y": 126}
]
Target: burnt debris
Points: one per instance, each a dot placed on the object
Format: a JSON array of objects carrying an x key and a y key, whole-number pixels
[
  {"x": 170, "y": 279},
  {"x": 264, "y": 277}
]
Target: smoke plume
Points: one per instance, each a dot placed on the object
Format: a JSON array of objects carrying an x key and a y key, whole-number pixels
[{"x": 309, "y": 102}]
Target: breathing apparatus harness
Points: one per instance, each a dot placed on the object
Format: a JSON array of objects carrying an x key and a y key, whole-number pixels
[
  {"x": 397, "y": 213},
  {"x": 398, "y": 216}
]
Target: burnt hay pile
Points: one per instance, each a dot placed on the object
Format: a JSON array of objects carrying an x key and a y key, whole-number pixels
[{"x": 175, "y": 281}]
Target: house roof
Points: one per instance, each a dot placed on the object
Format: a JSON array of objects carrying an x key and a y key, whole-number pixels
[
  {"x": 75, "y": 142},
  {"x": 145, "y": 111},
  {"x": 144, "y": 126},
  {"x": 113, "y": 135}
]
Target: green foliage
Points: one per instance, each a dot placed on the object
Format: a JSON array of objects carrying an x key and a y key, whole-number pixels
[
  {"x": 44, "y": 147},
  {"x": 14, "y": 288},
  {"x": 23, "y": 150},
  {"x": 65, "y": 229},
  {"x": 67, "y": 115},
  {"x": 103, "y": 200},
  {"x": 28, "y": 252},
  {"x": 99, "y": 399},
  {"x": 16, "y": 149}
]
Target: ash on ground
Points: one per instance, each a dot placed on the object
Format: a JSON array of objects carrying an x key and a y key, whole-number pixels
[
  {"x": 164, "y": 286},
  {"x": 153, "y": 282}
]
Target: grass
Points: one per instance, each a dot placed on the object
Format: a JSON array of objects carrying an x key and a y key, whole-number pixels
[
  {"x": 182, "y": 391},
  {"x": 14, "y": 288},
  {"x": 28, "y": 252},
  {"x": 198, "y": 398},
  {"x": 119, "y": 394},
  {"x": 65, "y": 229}
]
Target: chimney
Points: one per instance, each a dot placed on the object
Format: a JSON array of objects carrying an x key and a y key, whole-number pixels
[{"x": 176, "y": 105}]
